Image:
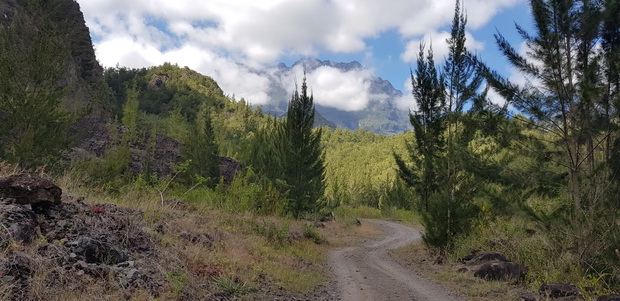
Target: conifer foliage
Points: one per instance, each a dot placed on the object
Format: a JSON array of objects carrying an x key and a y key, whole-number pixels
[
  {"x": 201, "y": 150},
  {"x": 302, "y": 154},
  {"x": 436, "y": 167},
  {"x": 34, "y": 127},
  {"x": 572, "y": 97},
  {"x": 289, "y": 153}
]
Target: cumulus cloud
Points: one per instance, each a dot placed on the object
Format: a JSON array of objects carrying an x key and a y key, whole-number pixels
[
  {"x": 346, "y": 91},
  {"x": 407, "y": 102},
  {"x": 437, "y": 40},
  {"x": 332, "y": 87},
  {"x": 235, "y": 41}
]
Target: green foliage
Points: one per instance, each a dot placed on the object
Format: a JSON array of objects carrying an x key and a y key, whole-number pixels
[
  {"x": 107, "y": 171},
  {"x": 438, "y": 165},
  {"x": 360, "y": 169},
  {"x": 237, "y": 128},
  {"x": 572, "y": 103},
  {"x": 316, "y": 237},
  {"x": 273, "y": 233},
  {"x": 247, "y": 193},
  {"x": 428, "y": 126},
  {"x": 251, "y": 194},
  {"x": 302, "y": 155},
  {"x": 446, "y": 220},
  {"x": 351, "y": 213},
  {"x": 34, "y": 127},
  {"x": 231, "y": 287},
  {"x": 201, "y": 152},
  {"x": 289, "y": 153},
  {"x": 130, "y": 114},
  {"x": 178, "y": 282}
]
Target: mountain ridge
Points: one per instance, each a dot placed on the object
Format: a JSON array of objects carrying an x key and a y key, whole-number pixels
[{"x": 381, "y": 114}]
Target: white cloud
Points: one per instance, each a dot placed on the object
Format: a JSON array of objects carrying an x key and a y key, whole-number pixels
[
  {"x": 495, "y": 98},
  {"x": 331, "y": 87},
  {"x": 346, "y": 91},
  {"x": 440, "y": 47},
  {"x": 407, "y": 102},
  {"x": 225, "y": 38}
]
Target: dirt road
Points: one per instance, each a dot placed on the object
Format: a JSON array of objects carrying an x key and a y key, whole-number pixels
[{"x": 368, "y": 273}]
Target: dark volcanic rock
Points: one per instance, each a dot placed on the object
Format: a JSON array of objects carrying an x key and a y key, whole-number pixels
[
  {"x": 229, "y": 168},
  {"x": 15, "y": 267},
  {"x": 29, "y": 189},
  {"x": 502, "y": 270},
  {"x": 558, "y": 290},
  {"x": 95, "y": 251},
  {"x": 19, "y": 224},
  {"x": 15, "y": 271},
  {"x": 77, "y": 243}
]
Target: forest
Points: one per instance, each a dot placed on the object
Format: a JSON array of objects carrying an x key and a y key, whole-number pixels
[{"x": 536, "y": 179}]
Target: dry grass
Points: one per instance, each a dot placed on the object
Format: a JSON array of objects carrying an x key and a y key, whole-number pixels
[{"x": 235, "y": 254}]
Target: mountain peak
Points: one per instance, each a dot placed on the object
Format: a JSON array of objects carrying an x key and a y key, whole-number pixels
[
  {"x": 380, "y": 113},
  {"x": 312, "y": 64}
]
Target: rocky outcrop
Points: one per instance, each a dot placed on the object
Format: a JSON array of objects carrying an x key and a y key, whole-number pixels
[
  {"x": 560, "y": 290},
  {"x": 28, "y": 189},
  {"x": 493, "y": 266},
  {"x": 70, "y": 243},
  {"x": 229, "y": 169}
]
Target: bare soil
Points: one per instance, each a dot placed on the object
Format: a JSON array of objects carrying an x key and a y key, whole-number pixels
[{"x": 368, "y": 271}]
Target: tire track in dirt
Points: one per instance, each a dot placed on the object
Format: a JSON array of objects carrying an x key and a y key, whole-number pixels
[{"x": 368, "y": 272}]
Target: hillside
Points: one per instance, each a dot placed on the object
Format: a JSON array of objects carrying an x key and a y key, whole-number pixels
[{"x": 152, "y": 183}]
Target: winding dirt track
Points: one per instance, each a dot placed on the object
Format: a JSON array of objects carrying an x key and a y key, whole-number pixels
[{"x": 368, "y": 272}]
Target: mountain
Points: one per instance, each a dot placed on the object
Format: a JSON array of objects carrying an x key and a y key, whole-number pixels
[{"x": 381, "y": 115}]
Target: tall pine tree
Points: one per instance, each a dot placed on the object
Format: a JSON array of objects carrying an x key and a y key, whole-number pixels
[
  {"x": 571, "y": 97},
  {"x": 201, "y": 150},
  {"x": 302, "y": 155},
  {"x": 35, "y": 126},
  {"x": 443, "y": 129}
]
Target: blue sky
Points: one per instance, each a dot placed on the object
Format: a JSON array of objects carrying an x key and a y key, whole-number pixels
[{"x": 238, "y": 42}]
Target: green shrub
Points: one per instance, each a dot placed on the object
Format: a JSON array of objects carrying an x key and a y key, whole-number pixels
[
  {"x": 310, "y": 233},
  {"x": 272, "y": 232}
]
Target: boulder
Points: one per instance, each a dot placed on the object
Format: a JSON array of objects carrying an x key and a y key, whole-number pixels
[
  {"x": 559, "y": 290},
  {"x": 502, "y": 270},
  {"x": 608, "y": 298},
  {"x": 29, "y": 189},
  {"x": 486, "y": 257}
]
